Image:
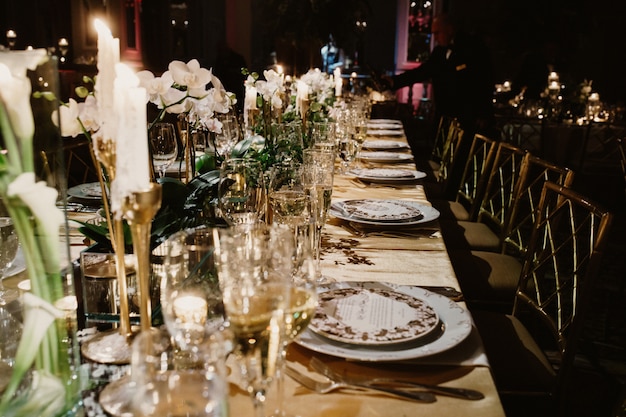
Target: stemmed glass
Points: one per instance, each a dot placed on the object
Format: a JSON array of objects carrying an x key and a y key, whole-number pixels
[
  {"x": 229, "y": 136},
  {"x": 163, "y": 146},
  {"x": 302, "y": 299},
  {"x": 318, "y": 178},
  {"x": 241, "y": 191},
  {"x": 255, "y": 264}
]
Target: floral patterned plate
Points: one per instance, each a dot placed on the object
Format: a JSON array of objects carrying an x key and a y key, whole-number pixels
[
  {"x": 456, "y": 326},
  {"x": 372, "y": 316}
]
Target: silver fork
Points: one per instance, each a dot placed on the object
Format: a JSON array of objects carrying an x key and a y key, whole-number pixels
[
  {"x": 323, "y": 387},
  {"x": 325, "y": 370}
]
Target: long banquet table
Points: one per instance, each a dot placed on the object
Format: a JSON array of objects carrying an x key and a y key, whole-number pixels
[{"x": 412, "y": 258}]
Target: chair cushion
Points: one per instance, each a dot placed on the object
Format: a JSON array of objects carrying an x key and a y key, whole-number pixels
[
  {"x": 486, "y": 277},
  {"x": 450, "y": 209},
  {"x": 469, "y": 235},
  {"x": 517, "y": 362}
]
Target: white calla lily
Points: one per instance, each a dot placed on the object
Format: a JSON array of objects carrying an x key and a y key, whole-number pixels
[
  {"x": 41, "y": 200},
  {"x": 15, "y": 88}
]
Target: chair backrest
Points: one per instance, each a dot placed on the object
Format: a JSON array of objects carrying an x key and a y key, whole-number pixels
[
  {"x": 563, "y": 257},
  {"x": 534, "y": 172},
  {"x": 451, "y": 145},
  {"x": 477, "y": 167},
  {"x": 441, "y": 136},
  {"x": 522, "y": 132},
  {"x": 498, "y": 194}
]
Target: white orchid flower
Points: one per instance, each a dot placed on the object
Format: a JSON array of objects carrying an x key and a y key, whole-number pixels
[
  {"x": 250, "y": 81},
  {"x": 156, "y": 87},
  {"x": 41, "y": 200},
  {"x": 191, "y": 75},
  {"x": 88, "y": 114},
  {"x": 67, "y": 115}
]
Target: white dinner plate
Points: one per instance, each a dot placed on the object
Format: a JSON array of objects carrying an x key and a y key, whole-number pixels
[
  {"x": 383, "y": 212},
  {"x": 386, "y": 157},
  {"x": 88, "y": 191},
  {"x": 373, "y": 316},
  {"x": 384, "y": 123},
  {"x": 385, "y": 132},
  {"x": 387, "y": 175},
  {"x": 456, "y": 325},
  {"x": 384, "y": 145}
]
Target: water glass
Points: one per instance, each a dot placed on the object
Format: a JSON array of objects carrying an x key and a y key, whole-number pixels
[
  {"x": 241, "y": 191},
  {"x": 191, "y": 300},
  {"x": 170, "y": 382}
]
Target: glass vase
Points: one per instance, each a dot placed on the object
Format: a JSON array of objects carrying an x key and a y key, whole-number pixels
[{"x": 43, "y": 369}]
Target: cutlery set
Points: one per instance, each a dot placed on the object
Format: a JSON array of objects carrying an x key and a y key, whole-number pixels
[{"x": 400, "y": 388}]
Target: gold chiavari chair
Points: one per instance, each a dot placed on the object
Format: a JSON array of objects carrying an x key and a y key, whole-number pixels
[
  {"x": 489, "y": 278},
  {"x": 531, "y": 350}
]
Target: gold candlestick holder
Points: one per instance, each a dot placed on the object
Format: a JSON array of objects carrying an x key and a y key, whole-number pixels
[
  {"x": 140, "y": 207},
  {"x": 112, "y": 346}
]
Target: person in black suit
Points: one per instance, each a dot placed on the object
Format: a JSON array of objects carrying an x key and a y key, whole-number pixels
[{"x": 460, "y": 70}]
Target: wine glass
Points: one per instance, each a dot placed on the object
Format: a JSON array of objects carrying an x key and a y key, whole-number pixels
[
  {"x": 163, "y": 146},
  {"x": 255, "y": 264},
  {"x": 9, "y": 245},
  {"x": 347, "y": 150},
  {"x": 191, "y": 300},
  {"x": 241, "y": 191},
  {"x": 229, "y": 136},
  {"x": 318, "y": 177}
]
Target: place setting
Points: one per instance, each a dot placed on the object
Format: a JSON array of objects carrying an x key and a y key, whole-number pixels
[
  {"x": 386, "y": 157},
  {"x": 384, "y": 145},
  {"x": 384, "y": 322},
  {"x": 387, "y": 176}
]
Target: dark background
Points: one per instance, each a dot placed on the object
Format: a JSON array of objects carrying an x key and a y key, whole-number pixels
[{"x": 590, "y": 34}]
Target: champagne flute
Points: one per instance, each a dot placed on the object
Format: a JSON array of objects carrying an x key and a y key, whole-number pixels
[
  {"x": 163, "y": 146},
  {"x": 318, "y": 180},
  {"x": 302, "y": 299},
  {"x": 255, "y": 263},
  {"x": 241, "y": 191}
]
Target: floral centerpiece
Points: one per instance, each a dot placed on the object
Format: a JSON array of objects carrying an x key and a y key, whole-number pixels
[
  {"x": 42, "y": 380},
  {"x": 196, "y": 96}
]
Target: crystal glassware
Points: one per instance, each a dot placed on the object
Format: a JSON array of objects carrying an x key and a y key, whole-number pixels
[
  {"x": 255, "y": 265},
  {"x": 163, "y": 146},
  {"x": 241, "y": 192}
]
